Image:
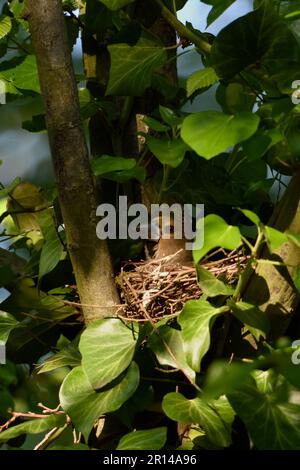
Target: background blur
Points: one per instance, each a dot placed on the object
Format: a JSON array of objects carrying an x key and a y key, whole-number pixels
[{"x": 27, "y": 155}]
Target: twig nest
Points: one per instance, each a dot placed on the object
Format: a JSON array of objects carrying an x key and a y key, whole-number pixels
[{"x": 160, "y": 287}]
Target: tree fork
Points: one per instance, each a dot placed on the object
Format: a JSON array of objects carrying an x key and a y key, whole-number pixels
[{"x": 89, "y": 256}]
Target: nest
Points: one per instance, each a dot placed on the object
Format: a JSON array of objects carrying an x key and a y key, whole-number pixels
[{"x": 152, "y": 290}]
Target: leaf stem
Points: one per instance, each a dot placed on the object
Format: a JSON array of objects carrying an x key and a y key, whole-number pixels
[{"x": 182, "y": 30}]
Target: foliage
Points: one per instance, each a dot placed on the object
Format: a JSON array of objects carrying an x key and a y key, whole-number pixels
[{"x": 178, "y": 371}]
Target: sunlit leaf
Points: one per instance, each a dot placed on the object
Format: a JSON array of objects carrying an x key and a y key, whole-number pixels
[
  {"x": 150, "y": 439},
  {"x": 217, "y": 233},
  {"x": 107, "y": 347},
  {"x": 210, "y": 133},
  {"x": 196, "y": 320},
  {"x": 215, "y": 417},
  {"x": 34, "y": 426},
  {"x": 201, "y": 79},
  {"x": 85, "y": 405}
]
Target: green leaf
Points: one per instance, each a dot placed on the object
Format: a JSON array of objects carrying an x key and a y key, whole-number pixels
[
  {"x": 51, "y": 255},
  {"x": 271, "y": 425},
  {"x": 201, "y": 79},
  {"x": 251, "y": 216},
  {"x": 250, "y": 315},
  {"x": 107, "y": 347},
  {"x": 296, "y": 278},
  {"x": 68, "y": 356},
  {"x": 138, "y": 172},
  {"x": 5, "y": 25},
  {"x": 274, "y": 238},
  {"x": 151, "y": 439},
  {"x": 169, "y": 116},
  {"x": 210, "y": 285},
  {"x": 116, "y": 4},
  {"x": 25, "y": 75},
  {"x": 169, "y": 349},
  {"x": 34, "y": 426},
  {"x": 70, "y": 447},
  {"x": 235, "y": 98},
  {"x": 107, "y": 164},
  {"x": 155, "y": 125},
  {"x": 215, "y": 417},
  {"x": 36, "y": 125},
  {"x": 223, "y": 377},
  {"x": 8, "y": 189},
  {"x": 260, "y": 142},
  {"x": 217, "y": 233},
  {"x": 210, "y": 133},
  {"x": 168, "y": 152},
  {"x": 246, "y": 40},
  {"x": 85, "y": 406},
  {"x": 295, "y": 238},
  {"x": 218, "y": 8},
  {"x": 7, "y": 324},
  {"x": 53, "y": 248},
  {"x": 132, "y": 67},
  {"x": 196, "y": 320}
]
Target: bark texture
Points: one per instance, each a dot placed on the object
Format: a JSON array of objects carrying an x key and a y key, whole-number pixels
[{"x": 89, "y": 255}]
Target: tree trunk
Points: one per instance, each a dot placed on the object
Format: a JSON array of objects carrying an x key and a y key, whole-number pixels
[{"x": 89, "y": 255}]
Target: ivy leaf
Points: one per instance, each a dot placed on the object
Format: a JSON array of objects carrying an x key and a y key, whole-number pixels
[
  {"x": 132, "y": 67},
  {"x": 107, "y": 164},
  {"x": 250, "y": 315},
  {"x": 25, "y": 75},
  {"x": 274, "y": 238},
  {"x": 196, "y": 320},
  {"x": 155, "y": 125},
  {"x": 5, "y": 26},
  {"x": 174, "y": 341},
  {"x": 7, "y": 324},
  {"x": 53, "y": 248},
  {"x": 36, "y": 125},
  {"x": 210, "y": 133},
  {"x": 223, "y": 377},
  {"x": 246, "y": 40},
  {"x": 85, "y": 405},
  {"x": 210, "y": 285},
  {"x": 272, "y": 425},
  {"x": 251, "y": 216},
  {"x": 107, "y": 347},
  {"x": 34, "y": 426},
  {"x": 217, "y": 233},
  {"x": 169, "y": 116},
  {"x": 215, "y": 417},
  {"x": 168, "y": 152},
  {"x": 151, "y": 439},
  {"x": 116, "y": 4},
  {"x": 218, "y": 8},
  {"x": 68, "y": 356},
  {"x": 138, "y": 172},
  {"x": 201, "y": 79}
]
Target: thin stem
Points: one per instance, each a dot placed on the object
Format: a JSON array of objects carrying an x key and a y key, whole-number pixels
[
  {"x": 164, "y": 182},
  {"x": 182, "y": 30}
]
